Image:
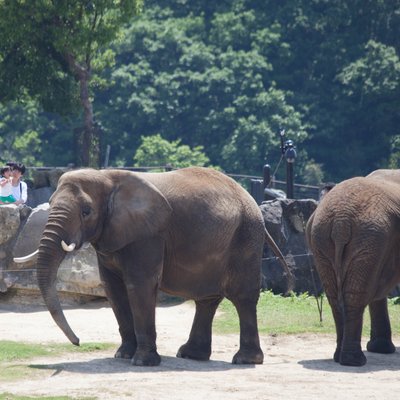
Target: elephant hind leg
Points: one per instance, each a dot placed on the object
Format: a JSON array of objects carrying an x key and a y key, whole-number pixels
[
  {"x": 198, "y": 346},
  {"x": 351, "y": 353},
  {"x": 381, "y": 334},
  {"x": 250, "y": 351}
]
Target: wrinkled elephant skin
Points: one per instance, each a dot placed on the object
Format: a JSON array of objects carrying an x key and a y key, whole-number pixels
[
  {"x": 193, "y": 232},
  {"x": 354, "y": 235}
]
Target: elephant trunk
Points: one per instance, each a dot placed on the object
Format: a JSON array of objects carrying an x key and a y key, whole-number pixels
[{"x": 49, "y": 258}]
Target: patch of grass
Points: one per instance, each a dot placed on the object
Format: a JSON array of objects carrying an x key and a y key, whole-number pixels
[
  {"x": 13, "y": 351},
  {"x": 13, "y": 356},
  {"x": 293, "y": 315},
  {"x": 9, "y": 396}
]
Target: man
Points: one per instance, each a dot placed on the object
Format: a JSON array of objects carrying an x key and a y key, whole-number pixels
[{"x": 20, "y": 188}]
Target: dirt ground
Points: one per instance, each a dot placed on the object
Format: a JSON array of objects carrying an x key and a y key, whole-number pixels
[{"x": 298, "y": 366}]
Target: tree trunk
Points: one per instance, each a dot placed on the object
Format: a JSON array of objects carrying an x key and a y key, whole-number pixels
[{"x": 88, "y": 139}]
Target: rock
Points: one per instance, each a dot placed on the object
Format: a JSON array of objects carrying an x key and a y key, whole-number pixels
[
  {"x": 39, "y": 196},
  {"x": 285, "y": 220},
  {"x": 9, "y": 222},
  {"x": 40, "y": 178},
  {"x": 29, "y": 238},
  {"x": 54, "y": 176},
  {"x": 79, "y": 273}
]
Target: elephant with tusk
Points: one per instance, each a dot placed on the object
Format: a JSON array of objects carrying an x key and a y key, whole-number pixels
[{"x": 193, "y": 232}]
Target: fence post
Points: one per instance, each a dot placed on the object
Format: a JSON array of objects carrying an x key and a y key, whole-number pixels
[
  {"x": 289, "y": 180},
  {"x": 266, "y": 175}
]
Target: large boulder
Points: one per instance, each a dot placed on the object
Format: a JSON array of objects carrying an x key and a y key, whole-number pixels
[
  {"x": 285, "y": 220},
  {"x": 79, "y": 273},
  {"x": 29, "y": 236},
  {"x": 39, "y": 196},
  {"x": 22, "y": 228},
  {"x": 9, "y": 222}
]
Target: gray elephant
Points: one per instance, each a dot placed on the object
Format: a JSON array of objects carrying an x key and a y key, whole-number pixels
[
  {"x": 354, "y": 235},
  {"x": 193, "y": 232}
]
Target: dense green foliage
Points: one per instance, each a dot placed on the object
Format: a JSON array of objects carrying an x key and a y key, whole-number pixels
[
  {"x": 52, "y": 51},
  {"x": 227, "y": 76}
]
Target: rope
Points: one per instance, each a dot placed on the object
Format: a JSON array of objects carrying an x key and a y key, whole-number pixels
[
  {"x": 291, "y": 256},
  {"x": 308, "y": 254},
  {"x": 29, "y": 270},
  {"x": 279, "y": 163}
]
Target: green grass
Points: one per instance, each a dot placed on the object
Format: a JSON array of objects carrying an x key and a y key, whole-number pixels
[
  {"x": 16, "y": 351},
  {"x": 9, "y": 396},
  {"x": 14, "y": 357},
  {"x": 293, "y": 315}
]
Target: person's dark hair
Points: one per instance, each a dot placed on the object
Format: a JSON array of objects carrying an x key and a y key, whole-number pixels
[
  {"x": 11, "y": 164},
  {"x": 19, "y": 167},
  {"x": 5, "y": 169}
]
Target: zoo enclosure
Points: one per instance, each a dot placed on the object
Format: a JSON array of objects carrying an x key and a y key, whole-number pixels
[{"x": 260, "y": 187}]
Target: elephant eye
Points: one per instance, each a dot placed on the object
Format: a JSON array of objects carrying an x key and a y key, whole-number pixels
[{"x": 86, "y": 211}]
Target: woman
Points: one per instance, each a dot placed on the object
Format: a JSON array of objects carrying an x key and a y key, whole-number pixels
[
  {"x": 20, "y": 188},
  {"x": 6, "y": 189}
]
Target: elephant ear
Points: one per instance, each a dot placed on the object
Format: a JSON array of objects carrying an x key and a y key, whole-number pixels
[{"x": 136, "y": 210}]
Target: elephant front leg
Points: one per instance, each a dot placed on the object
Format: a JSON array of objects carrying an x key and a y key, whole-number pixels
[
  {"x": 143, "y": 303},
  {"x": 381, "y": 333},
  {"x": 118, "y": 299},
  {"x": 198, "y": 347},
  {"x": 142, "y": 266}
]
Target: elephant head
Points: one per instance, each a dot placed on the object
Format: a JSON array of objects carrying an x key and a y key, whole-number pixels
[{"x": 107, "y": 208}]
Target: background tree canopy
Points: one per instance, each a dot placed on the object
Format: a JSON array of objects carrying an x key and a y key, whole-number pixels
[{"x": 222, "y": 78}]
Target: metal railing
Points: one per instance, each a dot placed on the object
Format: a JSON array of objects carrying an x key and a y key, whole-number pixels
[{"x": 300, "y": 191}]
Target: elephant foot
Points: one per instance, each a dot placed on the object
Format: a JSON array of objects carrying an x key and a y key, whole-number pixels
[
  {"x": 146, "y": 359},
  {"x": 248, "y": 357},
  {"x": 336, "y": 356},
  {"x": 381, "y": 345},
  {"x": 354, "y": 358},
  {"x": 126, "y": 350},
  {"x": 194, "y": 352}
]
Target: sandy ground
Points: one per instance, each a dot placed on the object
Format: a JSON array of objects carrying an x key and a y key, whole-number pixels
[{"x": 297, "y": 366}]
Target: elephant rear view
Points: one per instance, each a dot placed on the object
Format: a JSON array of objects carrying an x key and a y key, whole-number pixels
[
  {"x": 354, "y": 235},
  {"x": 194, "y": 232}
]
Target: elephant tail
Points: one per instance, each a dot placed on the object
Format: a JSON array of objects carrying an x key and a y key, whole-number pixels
[
  {"x": 341, "y": 236},
  {"x": 271, "y": 242}
]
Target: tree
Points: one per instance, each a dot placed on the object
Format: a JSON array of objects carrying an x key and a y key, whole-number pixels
[
  {"x": 48, "y": 46},
  {"x": 155, "y": 151},
  {"x": 208, "y": 83}
]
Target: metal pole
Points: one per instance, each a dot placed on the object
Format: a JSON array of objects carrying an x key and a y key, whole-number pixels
[
  {"x": 108, "y": 149},
  {"x": 289, "y": 180},
  {"x": 266, "y": 175},
  {"x": 290, "y": 155}
]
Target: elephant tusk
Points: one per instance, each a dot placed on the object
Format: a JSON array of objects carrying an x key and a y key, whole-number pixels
[
  {"x": 67, "y": 248},
  {"x": 29, "y": 257}
]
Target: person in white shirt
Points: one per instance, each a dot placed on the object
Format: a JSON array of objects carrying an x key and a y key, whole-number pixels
[
  {"x": 20, "y": 188},
  {"x": 6, "y": 188}
]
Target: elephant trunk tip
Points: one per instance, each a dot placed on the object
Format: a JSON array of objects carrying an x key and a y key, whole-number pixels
[{"x": 73, "y": 339}]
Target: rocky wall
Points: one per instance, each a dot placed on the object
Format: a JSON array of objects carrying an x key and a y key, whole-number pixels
[
  {"x": 22, "y": 227},
  {"x": 285, "y": 220}
]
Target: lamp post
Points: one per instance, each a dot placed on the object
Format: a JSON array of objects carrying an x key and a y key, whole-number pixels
[
  {"x": 289, "y": 151},
  {"x": 290, "y": 155}
]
